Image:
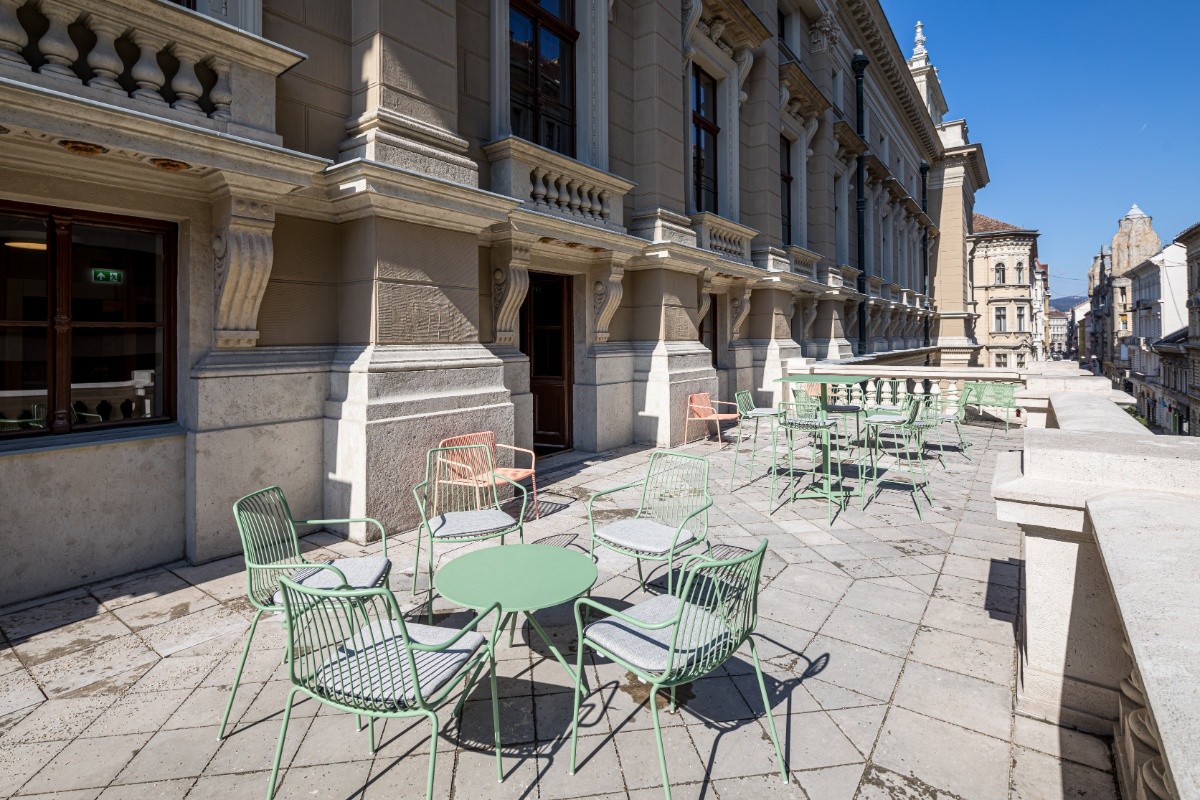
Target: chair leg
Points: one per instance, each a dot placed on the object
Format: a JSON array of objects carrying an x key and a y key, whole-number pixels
[
  {"x": 417, "y": 559},
  {"x": 287, "y": 716},
  {"x": 432, "y": 755},
  {"x": 674, "y": 707},
  {"x": 430, "y": 570},
  {"x": 575, "y": 706},
  {"x": 641, "y": 577},
  {"x": 762, "y": 688},
  {"x": 537, "y": 511},
  {"x": 662, "y": 756},
  {"x": 371, "y": 726},
  {"x": 737, "y": 451},
  {"x": 495, "y": 715},
  {"x": 237, "y": 679}
]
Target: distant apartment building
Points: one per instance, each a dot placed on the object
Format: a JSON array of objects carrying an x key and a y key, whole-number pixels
[
  {"x": 1058, "y": 324},
  {"x": 1158, "y": 289},
  {"x": 1004, "y": 280}
]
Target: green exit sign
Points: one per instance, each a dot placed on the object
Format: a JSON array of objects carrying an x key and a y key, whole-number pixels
[{"x": 108, "y": 276}]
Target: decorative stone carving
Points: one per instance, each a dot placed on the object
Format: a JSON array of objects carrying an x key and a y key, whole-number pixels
[
  {"x": 739, "y": 309},
  {"x": 744, "y": 58},
  {"x": 704, "y": 295},
  {"x": 691, "y": 18},
  {"x": 850, "y": 317},
  {"x": 608, "y": 291},
  {"x": 12, "y": 35},
  {"x": 825, "y": 34},
  {"x": 510, "y": 284},
  {"x": 244, "y": 251},
  {"x": 807, "y": 305}
]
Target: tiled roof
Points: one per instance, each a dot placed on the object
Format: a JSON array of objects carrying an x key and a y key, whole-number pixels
[{"x": 981, "y": 223}]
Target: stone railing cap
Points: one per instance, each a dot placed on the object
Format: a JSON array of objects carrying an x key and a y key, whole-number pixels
[{"x": 514, "y": 146}]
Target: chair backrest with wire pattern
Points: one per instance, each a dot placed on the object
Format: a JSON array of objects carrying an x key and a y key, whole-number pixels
[
  {"x": 458, "y": 478},
  {"x": 269, "y": 542},
  {"x": 350, "y": 647},
  {"x": 675, "y": 487},
  {"x": 745, "y": 402},
  {"x": 719, "y": 610},
  {"x": 800, "y": 409},
  {"x": 471, "y": 458}
]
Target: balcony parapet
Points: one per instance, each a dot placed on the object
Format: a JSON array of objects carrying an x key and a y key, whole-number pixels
[
  {"x": 945, "y": 382},
  {"x": 551, "y": 183},
  {"x": 804, "y": 262},
  {"x": 725, "y": 237},
  {"x": 150, "y": 56}
]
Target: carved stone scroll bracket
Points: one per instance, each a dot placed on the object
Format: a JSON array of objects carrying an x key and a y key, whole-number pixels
[
  {"x": 808, "y": 315},
  {"x": 608, "y": 291},
  {"x": 691, "y": 18},
  {"x": 850, "y": 317},
  {"x": 704, "y": 286},
  {"x": 510, "y": 284},
  {"x": 739, "y": 309},
  {"x": 744, "y": 58},
  {"x": 244, "y": 251}
]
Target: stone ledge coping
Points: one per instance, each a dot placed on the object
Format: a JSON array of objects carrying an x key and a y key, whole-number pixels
[
  {"x": 1147, "y": 542},
  {"x": 1088, "y": 412}
]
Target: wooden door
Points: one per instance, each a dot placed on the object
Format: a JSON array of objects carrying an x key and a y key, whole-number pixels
[{"x": 546, "y": 338}]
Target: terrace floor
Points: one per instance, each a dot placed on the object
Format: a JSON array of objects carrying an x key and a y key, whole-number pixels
[{"x": 889, "y": 646}]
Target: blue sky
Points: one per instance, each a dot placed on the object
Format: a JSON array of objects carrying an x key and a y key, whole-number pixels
[{"x": 1083, "y": 107}]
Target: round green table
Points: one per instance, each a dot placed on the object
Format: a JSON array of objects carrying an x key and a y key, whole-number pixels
[{"x": 522, "y": 578}]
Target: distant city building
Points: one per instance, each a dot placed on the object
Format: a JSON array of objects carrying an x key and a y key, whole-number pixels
[
  {"x": 1158, "y": 287},
  {"x": 1110, "y": 291},
  {"x": 1058, "y": 323},
  {"x": 1003, "y": 280},
  {"x": 1184, "y": 356}
]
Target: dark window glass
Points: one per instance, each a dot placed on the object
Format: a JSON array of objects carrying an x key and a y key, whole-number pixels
[
  {"x": 785, "y": 188},
  {"x": 704, "y": 139},
  {"x": 108, "y": 284},
  {"x": 541, "y": 54}
]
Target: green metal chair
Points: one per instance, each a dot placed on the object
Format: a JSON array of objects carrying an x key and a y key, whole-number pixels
[
  {"x": 350, "y": 649},
  {"x": 953, "y": 414},
  {"x": 847, "y": 400},
  {"x": 677, "y": 638},
  {"x": 459, "y": 502},
  {"x": 272, "y": 551},
  {"x": 749, "y": 412},
  {"x": 802, "y": 415},
  {"x": 906, "y": 434},
  {"x": 672, "y": 516},
  {"x": 990, "y": 394},
  {"x": 885, "y": 396}
]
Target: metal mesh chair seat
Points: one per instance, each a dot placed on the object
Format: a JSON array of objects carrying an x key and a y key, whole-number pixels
[
  {"x": 644, "y": 535},
  {"x": 844, "y": 409},
  {"x": 761, "y": 412},
  {"x": 372, "y": 666},
  {"x": 648, "y": 649},
  {"x": 465, "y": 524},
  {"x": 364, "y": 572},
  {"x": 515, "y": 473},
  {"x": 807, "y": 424}
]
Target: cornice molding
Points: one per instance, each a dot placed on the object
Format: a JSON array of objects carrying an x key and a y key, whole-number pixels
[{"x": 800, "y": 92}]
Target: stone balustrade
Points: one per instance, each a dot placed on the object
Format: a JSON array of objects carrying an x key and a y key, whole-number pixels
[
  {"x": 551, "y": 183},
  {"x": 149, "y": 56},
  {"x": 1110, "y": 516},
  {"x": 723, "y": 236},
  {"x": 946, "y": 383}
]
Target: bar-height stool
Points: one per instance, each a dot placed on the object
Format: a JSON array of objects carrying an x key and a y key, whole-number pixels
[
  {"x": 748, "y": 411},
  {"x": 905, "y": 434},
  {"x": 803, "y": 415}
]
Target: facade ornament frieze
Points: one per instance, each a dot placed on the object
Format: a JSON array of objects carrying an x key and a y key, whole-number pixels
[
  {"x": 510, "y": 284},
  {"x": 243, "y": 248},
  {"x": 608, "y": 291},
  {"x": 825, "y": 33}
]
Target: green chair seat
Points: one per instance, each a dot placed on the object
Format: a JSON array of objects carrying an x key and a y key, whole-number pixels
[
  {"x": 886, "y": 419},
  {"x": 642, "y": 535},
  {"x": 649, "y": 648},
  {"x": 760, "y": 413},
  {"x": 843, "y": 409},
  {"x": 363, "y": 572},
  {"x": 465, "y": 524},
  {"x": 372, "y": 666}
]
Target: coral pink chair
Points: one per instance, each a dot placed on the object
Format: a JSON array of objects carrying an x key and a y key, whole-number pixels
[
  {"x": 701, "y": 408},
  {"x": 488, "y": 439}
]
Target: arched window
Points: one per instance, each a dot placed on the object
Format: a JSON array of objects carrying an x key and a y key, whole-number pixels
[
  {"x": 999, "y": 273},
  {"x": 1020, "y": 272}
]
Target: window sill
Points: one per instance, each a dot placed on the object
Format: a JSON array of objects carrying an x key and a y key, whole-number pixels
[{"x": 41, "y": 444}]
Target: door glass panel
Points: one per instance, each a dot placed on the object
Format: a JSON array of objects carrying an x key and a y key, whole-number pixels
[
  {"x": 116, "y": 275},
  {"x": 546, "y": 360},
  {"x": 547, "y": 304},
  {"x": 115, "y": 374},
  {"x": 23, "y": 378},
  {"x": 24, "y": 267}
]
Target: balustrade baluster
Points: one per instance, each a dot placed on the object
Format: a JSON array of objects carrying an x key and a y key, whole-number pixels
[
  {"x": 13, "y": 37},
  {"x": 146, "y": 72},
  {"x": 573, "y": 195},
  {"x": 56, "y": 45},
  {"x": 221, "y": 93},
  {"x": 605, "y": 206},
  {"x": 103, "y": 60},
  {"x": 185, "y": 84},
  {"x": 552, "y": 193},
  {"x": 537, "y": 191}
]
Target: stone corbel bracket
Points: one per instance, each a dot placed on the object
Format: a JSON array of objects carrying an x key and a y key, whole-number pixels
[
  {"x": 510, "y": 284},
  {"x": 807, "y": 304},
  {"x": 704, "y": 287},
  {"x": 608, "y": 291},
  {"x": 244, "y": 252},
  {"x": 740, "y": 308},
  {"x": 850, "y": 315}
]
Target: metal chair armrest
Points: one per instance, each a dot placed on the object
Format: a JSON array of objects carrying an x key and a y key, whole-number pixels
[
  {"x": 305, "y": 565},
  {"x": 603, "y": 492},
  {"x": 530, "y": 453},
  {"x": 587, "y": 602},
  {"x": 524, "y": 495},
  {"x": 463, "y": 631}
]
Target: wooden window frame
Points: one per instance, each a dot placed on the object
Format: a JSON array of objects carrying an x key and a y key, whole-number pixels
[
  {"x": 701, "y": 123},
  {"x": 59, "y": 325},
  {"x": 543, "y": 19}
]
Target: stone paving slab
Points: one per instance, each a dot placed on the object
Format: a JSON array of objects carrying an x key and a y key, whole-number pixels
[{"x": 887, "y": 643}]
